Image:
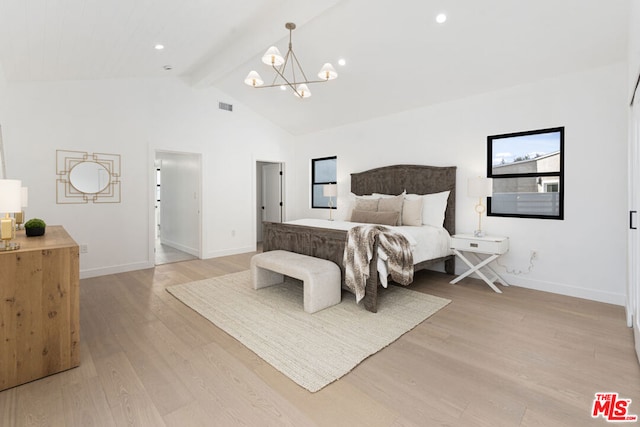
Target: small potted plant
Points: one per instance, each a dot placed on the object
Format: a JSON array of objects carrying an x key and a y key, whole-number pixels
[{"x": 34, "y": 227}]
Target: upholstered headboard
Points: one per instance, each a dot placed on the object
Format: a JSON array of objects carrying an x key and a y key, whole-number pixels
[{"x": 415, "y": 179}]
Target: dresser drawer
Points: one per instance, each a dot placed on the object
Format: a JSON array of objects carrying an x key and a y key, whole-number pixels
[{"x": 485, "y": 245}]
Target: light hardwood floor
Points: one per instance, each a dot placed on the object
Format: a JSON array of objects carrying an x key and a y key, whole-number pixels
[
  {"x": 166, "y": 254},
  {"x": 522, "y": 358}
]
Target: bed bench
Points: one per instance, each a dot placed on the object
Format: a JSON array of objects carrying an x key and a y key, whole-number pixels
[{"x": 321, "y": 278}]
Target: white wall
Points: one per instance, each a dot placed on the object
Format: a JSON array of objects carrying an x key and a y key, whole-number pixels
[
  {"x": 584, "y": 255},
  {"x": 231, "y": 144},
  {"x": 3, "y": 103},
  {"x": 134, "y": 118},
  {"x": 3, "y": 97}
]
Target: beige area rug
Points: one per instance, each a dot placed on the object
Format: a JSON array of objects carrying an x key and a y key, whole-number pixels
[{"x": 311, "y": 349}]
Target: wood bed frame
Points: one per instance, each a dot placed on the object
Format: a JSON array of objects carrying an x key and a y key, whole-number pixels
[{"x": 329, "y": 244}]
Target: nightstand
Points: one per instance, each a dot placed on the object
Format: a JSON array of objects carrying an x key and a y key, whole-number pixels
[{"x": 493, "y": 246}]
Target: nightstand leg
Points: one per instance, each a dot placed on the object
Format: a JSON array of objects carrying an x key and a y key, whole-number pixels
[
  {"x": 496, "y": 276},
  {"x": 476, "y": 269}
]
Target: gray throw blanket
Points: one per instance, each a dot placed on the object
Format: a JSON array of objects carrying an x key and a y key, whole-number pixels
[{"x": 359, "y": 250}]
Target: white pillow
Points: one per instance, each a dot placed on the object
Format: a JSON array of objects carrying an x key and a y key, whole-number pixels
[{"x": 433, "y": 207}]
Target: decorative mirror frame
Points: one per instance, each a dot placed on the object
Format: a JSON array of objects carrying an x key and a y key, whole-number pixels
[{"x": 66, "y": 193}]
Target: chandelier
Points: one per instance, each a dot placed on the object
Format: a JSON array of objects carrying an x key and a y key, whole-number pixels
[{"x": 288, "y": 77}]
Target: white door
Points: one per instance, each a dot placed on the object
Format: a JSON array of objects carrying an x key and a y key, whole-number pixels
[
  {"x": 633, "y": 288},
  {"x": 272, "y": 192}
]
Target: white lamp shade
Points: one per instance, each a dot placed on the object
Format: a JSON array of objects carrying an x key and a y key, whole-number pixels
[
  {"x": 273, "y": 57},
  {"x": 480, "y": 187},
  {"x": 330, "y": 190},
  {"x": 24, "y": 196},
  {"x": 10, "y": 195},
  {"x": 328, "y": 72},
  {"x": 302, "y": 91},
  {"x": 253, "y": 79}
]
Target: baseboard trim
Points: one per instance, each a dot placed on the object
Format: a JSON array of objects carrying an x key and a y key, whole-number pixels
[
  {"x": 178, "y": 246},
  {"x": 103, "y": 271},
  {"x": 568, "y": 290},
  {"x": 552, "y": 287},
  {"x": 235, "y": 251}
]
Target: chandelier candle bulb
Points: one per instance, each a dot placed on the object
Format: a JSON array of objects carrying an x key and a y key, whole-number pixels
[
  {"x": 254, "y": 79},
  {"x": 302, "y": 91},
  {"x": 273, "y": 57},
  {"x": 328, "y": 72}
]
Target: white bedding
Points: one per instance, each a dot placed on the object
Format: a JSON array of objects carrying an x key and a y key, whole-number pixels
[{"x": 427, "y": 242}]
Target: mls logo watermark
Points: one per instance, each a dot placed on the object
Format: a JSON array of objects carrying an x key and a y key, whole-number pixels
[{"x": 612, "y": 408}]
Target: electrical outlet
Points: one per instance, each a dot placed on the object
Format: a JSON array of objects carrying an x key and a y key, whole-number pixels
[
  {"x": 534, "y": 254},
  {"x": 84, "y": 249}
]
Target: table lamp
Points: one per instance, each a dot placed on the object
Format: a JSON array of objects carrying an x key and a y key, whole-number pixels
[
  {"x": 330, "y": 191},
  {"x": 480, "y": 187},
  {"x": 10, "y": 202},
  {"x": 19, "y": 216}
]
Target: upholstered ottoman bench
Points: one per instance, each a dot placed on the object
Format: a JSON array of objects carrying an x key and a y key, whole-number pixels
[{"x": 321, "y": 278}]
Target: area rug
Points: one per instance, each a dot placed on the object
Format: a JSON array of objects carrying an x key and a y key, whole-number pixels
[{"x": 311, "y": 349}]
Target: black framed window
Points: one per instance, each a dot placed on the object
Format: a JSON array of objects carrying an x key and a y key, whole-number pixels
[
  {"x": 527, "y": 169},
  {"x": 323, "y": 171}
]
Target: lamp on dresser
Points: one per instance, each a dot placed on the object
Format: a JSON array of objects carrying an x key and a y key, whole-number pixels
[
  {"x": 10, "y": 202},
  {"x": 19, "y": 216},
  {"x": 479, "y": 187}
]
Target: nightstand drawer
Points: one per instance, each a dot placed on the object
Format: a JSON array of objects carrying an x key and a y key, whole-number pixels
[{"x": 485, "y": 245}]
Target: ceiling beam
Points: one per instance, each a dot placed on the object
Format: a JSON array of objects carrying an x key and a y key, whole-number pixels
[{"x": 264, "y": 30}]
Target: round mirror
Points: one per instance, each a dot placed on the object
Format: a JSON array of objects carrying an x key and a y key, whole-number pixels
[{"x": 89, "y": 177}]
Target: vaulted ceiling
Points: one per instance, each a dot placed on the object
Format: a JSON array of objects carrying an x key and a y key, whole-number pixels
[{"x": 397, "y": 56}]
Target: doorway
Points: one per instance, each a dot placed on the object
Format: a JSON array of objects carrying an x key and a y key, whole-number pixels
[
  {"x": 269, "y": 191},
  {"x": 177, "y": 207}
]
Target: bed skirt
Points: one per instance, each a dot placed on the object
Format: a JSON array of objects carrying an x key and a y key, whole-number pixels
[{"x": 329, "y": 244}]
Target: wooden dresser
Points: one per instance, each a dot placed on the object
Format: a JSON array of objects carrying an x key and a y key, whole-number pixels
[{"x": 39, "y": 307}]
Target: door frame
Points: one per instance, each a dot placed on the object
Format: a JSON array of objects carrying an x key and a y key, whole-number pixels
[
  {"x": 152, "y": 200},
  {"x": 255, "y": 191}
]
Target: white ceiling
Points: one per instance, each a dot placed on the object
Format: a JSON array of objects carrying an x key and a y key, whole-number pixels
[{"x": 397, "y": 56}]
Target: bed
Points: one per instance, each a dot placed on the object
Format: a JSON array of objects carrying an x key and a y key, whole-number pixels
[{"x": 329, "y": 243}]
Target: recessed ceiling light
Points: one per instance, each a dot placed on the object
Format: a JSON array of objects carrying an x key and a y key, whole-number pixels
[
  {"x": 167, "y": 68},
  {"x": 342, "y": 62},
  {"x": 441, "y": 18},
  {"x": 159, "y": 46}
]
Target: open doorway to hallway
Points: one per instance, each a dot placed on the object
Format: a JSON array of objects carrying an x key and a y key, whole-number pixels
[
  {"x": 269, "y": 195},
  {"x": 177, "y": 207}
]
